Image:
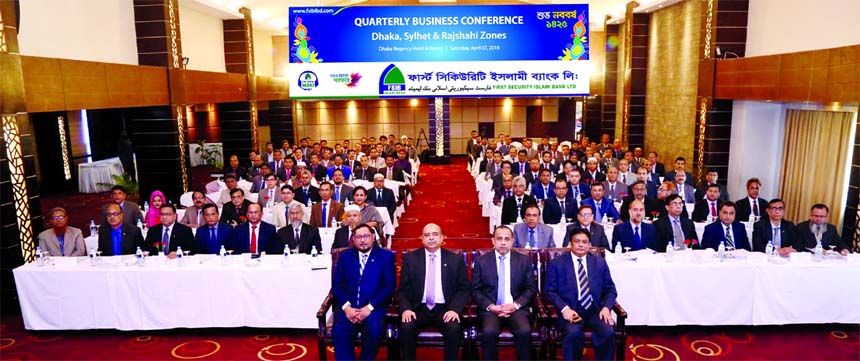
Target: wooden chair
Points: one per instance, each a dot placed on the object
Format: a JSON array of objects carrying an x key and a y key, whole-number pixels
[
  {"x": 324, "y": 337},
  {"x": 429, "y": 336},
  {"x": 549, "y": 315},
  {"x": 539, "y": 334}
]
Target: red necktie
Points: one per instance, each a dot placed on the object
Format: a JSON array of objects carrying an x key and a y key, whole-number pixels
[
  {"x": 253, "y": 239},
  {"x": 713, "y": 209}
]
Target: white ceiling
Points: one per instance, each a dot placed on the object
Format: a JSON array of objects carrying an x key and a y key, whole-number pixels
[{"x": 274, "y": 14}]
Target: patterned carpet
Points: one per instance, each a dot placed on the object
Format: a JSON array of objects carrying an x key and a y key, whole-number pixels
[{"x": 445, "y": 195}]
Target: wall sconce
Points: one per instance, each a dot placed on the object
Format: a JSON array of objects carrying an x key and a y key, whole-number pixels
[{"x": 185, "y": 60}]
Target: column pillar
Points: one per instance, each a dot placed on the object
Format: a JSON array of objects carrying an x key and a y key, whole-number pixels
[
  {"x": 635, "y": 75},
  {"x": 439, "y": 138},
  {"x": 240, "y": 126},
  {"x": 610, "y": 83}
]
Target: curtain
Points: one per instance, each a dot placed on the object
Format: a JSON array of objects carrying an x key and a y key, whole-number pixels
[{"x": 814, "y": 162}]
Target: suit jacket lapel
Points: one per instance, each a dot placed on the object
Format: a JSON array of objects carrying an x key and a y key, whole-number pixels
[
  {"x": 421, "y": 272},
  {"x": 590, "y": 266}
]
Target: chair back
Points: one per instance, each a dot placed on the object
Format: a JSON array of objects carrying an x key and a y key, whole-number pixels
[
  {"x": 548, "y": 254},
  {"x": 335, "y": 254},
  {"x": 186, "y": 199}
]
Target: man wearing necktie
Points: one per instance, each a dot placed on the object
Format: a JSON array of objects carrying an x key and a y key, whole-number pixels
[
  {"x": 299, "y": 236},
  {"x": 513, "y": 207},
  {"x": 752, "y": 204},
  {"x": 774, "y": 228},
  {"x": 363, "y": 283},
  {"x": 531, "y": 233},
  {"x": 818, "y": 229},
  {"x": 727, "y": 230},
  {"x": 433, "y": 290},
  {"x": 674, "y": 228},
  {"x": 323, "y": 212},
  {"x": 503, "y": 287},
  {"x": 580, "y": 286},
  {"x": 708, "y": 206},
  {"x": 169, "y": 235},
  {"x": 194, "y": 215},
  {"x": 634, "y": 233},
  {"x": 213, "y": 234}
]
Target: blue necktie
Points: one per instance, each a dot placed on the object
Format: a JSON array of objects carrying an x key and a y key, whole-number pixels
[
  {"x": 500, "y": 294},
  {"x": 532, "y": 238},
  {"x": 324, "y": 219},
  {"x": 637, "y": 237},
  {"x": 212, "y": 235},
  {"x": 337, "y": 194},
  {"x": 61, "y": 239}
]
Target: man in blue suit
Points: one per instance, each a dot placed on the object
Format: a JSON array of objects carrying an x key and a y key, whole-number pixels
[
  {"x": 578, "y": 189},
  {"x": 380, "y": 196},
  {"x": 543, "y": 188},
  {"x": 562, "y": 205},
  {"x": 726, "y": 230},
  {"x": 362, "y": 286},
  {"x": 602, "y": 207},
  {"x": 338, "y": 164},
  {"x": 212, "y": 235},
  {"x": 256, "y": 236},
  {"x": 581, "y": 287},
  {"x": 634, "y": 233}
]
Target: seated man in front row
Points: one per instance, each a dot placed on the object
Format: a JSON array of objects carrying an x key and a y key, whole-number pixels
[
  {"x": 727, "y": 230},
  {"x": 581, "y": 287},
  {"x": 116, "y": 237},
  {"x": 297, "y": 235},
  {"x": 362, "y": 286},
  {"x": 531, "y": 233},
  {"x": 62, "y": 240},
  {"x": 434, "y": 289},
  {"x": 213, "y": 234},
  {"x": 169, "y": 235},
  {"x": 504, "y": 288},
  {"x": 635, "y": 234}
]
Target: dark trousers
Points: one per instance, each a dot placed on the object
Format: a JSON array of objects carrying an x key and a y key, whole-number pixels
[
  {"x": 344, "y": 332},
  {"x": 450, "y": 331},
  {"x": 602, "y": 336},
  {"x": 518, "y": 323}
]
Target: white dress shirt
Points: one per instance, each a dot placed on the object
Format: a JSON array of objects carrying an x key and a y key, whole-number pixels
[{"x": 439, "y": 296}]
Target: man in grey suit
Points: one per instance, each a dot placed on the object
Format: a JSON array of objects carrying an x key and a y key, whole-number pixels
[
  {"x": 130, "y": 210},
  {"x": 61, "y": 240},
  {"x": 615, "y": 189},
  {"x": 194, "y": 215},
  {"x": 686, "y": 191},
  {"x": 532, "y": 233},
  {"x": 585, "y": 220}
]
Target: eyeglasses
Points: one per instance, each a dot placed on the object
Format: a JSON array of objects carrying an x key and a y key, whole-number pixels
[
  {"x": 113, "y": 214},
  {"x": 363, "y": 236},
  {"x": 586, "y": 214},
  {"x": 58, "y": 218}
]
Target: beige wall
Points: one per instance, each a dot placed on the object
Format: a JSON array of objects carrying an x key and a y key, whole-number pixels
[
  {"x": 597, "y": 52},
  {"x": 336, "y": 120},
  {"x": 670, "y": 114},
  {"x": 202, "y": 40}
]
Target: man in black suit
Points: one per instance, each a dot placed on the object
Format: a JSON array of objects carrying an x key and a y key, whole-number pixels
[
  {"x": 774, "y": 229},
  {"x": 433, "y": 290},
  {"x": 234, "y": 212},
  {"x": 585, "y": 220},
  {"x": 639, "y": 192},
  {"x": 365, "y": 171},
  {"x": 168, "y": 236},
  {"x": 580, "y": 286},
  {"x": 656, "y": 166},
  {"x": 680, "y": 167},
  {"x": 380, "y": 196},
  {"x": 674, "y": 228},
  {"x": 514, "y": 207},
  {"x": 576, "y": 187},
  {"x": 708, "y": 207},
  {"x": 391, "y": 171},
  {"x": 117, "y": 237},
  {"x": 711, "y": 178},
  {"x": 503, "y": 287},
  {"x": 592, "y": 174},
  {"x": 521, "y": 166},
  {"x": 817, "y": 228},
  {"x": 532, "y": 175},
  {"x": 352, "y": 218},
  {"x": 130, "y": 210},
  {"x": 318, "y": 171},
  {"x": 308, "y": 235},
  {"x": 307, "y": 193},
  {"x": 752, "y": 204},
  {"x": 497, "y": 179},
  {"x": 276, "y": 166},
  {"x": 562, "y": 205},
  {"x": 505, "y": 191},
  {"x": 547, "y": 162}
]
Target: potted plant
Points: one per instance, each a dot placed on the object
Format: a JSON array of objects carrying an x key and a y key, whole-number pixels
[{"x": 209, "y": 155}]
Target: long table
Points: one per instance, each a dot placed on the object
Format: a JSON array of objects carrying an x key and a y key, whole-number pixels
[
  {"x": 697, "y": 289},
  {"x": 95, "y": 177},
  {"x": 116, "y": 294}
]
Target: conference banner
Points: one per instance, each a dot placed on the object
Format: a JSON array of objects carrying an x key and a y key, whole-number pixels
[{"x": 428, "y": 51}]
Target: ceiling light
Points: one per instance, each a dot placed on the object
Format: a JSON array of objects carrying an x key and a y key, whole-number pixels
[
  {"x": 260, "y": 15},
  {"x": 277, "y": 23},
  {"x": 236, "y": 4}
]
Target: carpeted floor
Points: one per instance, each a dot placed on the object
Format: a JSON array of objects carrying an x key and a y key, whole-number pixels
[{"x": 445, "y": 195}]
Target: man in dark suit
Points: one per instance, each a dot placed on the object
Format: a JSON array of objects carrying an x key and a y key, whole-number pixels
[
  {"x": 234, "y": 212},
  {"x": 560, "y": 205},
  {"x": 380, "y": 196},
  {"x": 213, "y": 234},
  {"x": 521, "y": 166},
  {"x": 602, "y": 206},
  {"x": 727, "y": 230},
  {"x": 578, "y": 190},
  {"x": 352, "y": 218},
  {"x": 680, "y": 167},
  {"x": 514, "y": 207},
  {"x": 708, "y": 206},
  {"x": 339, "y": 190},
  {"x": 634, "y": 233},
  {"x": 639, "y": 192},
  {"x": 391, "y": 171},
  {"x": 470, "y": 145},
  {"x": 117, "y": 237},
  {"x": 651, "y": 184},
  {"x": 168, "y": 236},
  {"x": 505, "y": 191},
  {"x": 365, "y": 171},
  {"x": 592, "y": 175},
  {"x": 674, "y": 228},
  {"x": 547, "y": 163},
  {"x": 774, "y": 229},
  {"x": 752, "y": 204},
  {"x": 532, "y": 175},
  {"x": 585, "y": 220},
  {"x": 307, "y": 194},
  {"x": 543, "y": 188},
  {"x": 298, "y": 235},
  {"x": 318, "y": 171},
  {"x": 711, "y": 178},
  {"x": 656, "y": 167},
  {"x": 503, "y": 287},
  {"x": 580, "y": 286},
  {"x": 256, "y": 236},
  {"x": 434, "y": 289},
  {"x": 817, "y": 228},
  {"x": 323, "y": 212},
  {"x": 362, "y": 285},
  {"x": 497, "y": 179},
  {"x": 276, "y": 166},
  {"x": 130, "y": 210}
]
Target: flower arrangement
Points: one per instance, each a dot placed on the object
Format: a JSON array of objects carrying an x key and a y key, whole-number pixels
[
  {"x": 691, "y": 242},
  {"x": 655, "y": 214}
]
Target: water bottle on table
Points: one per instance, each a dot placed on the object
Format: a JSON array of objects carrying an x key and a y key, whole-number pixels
[
  {"x": 138, "y": 254},
  {"x": 179, "y": 255},
  {"x": 769, "y": 250},
  {"x": 817, "y": 255},
  {"x": 721, "y": 251},
  {"x": 40, "y": 258},
  {"x": 94, "y": 231},
  {"x": 670, "y": 252},
  {"x": 223, "y": 254},
  {"x": 92, "y": 255}
]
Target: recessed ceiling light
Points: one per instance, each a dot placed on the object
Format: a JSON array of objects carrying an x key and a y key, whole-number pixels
[{"x": 277, "y": 23}]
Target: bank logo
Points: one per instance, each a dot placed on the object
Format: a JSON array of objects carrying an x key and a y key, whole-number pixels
[
  {"x": 308, "y": 80},
  {"x": 392, "y": 81},
  {"x": 350, "y": 80}
]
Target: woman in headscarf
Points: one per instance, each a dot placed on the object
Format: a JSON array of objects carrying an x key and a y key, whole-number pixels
[{"x": 153, "y": 215}]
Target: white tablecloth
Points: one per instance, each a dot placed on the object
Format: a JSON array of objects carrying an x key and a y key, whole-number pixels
[
  {"x": 163, "y": 295},
  {"x": 749, "y": 291},
  {"x": 195, "y": 159},
  {"x": 102, "y": 171}
]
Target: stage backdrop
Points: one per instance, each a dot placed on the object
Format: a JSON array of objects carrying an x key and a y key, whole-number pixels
[{"x": 449, "y": 51}]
